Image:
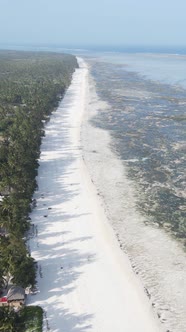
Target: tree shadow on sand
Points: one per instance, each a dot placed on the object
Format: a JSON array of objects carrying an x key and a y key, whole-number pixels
[
  {"x": 59, "y": 262},
  {"x": 62, "y": 268}
]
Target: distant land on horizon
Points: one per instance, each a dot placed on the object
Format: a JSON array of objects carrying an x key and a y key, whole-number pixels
[{"x": 96, "y": 48}]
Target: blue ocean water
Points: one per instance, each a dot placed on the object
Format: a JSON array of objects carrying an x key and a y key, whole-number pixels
[{"x": 166, "y": 68}]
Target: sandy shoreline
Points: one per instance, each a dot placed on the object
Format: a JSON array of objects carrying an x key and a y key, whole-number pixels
[
  {"x": 156, "y": 258},
  {"x": 85, "y": 282}
]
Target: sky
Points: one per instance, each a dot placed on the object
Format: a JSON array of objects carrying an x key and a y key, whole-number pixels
[{"x": 97, "y": 22}]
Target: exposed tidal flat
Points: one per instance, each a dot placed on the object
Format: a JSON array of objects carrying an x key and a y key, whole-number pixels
[
  {"x": 147, "y": 121},
  {"x": 134, "y": 146}
]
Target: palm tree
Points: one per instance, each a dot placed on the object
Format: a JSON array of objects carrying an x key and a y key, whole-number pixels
[{"x": 8, "y": 320}]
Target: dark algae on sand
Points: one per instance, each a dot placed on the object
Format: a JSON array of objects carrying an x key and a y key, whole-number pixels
[{"x": 147, "y": 121}]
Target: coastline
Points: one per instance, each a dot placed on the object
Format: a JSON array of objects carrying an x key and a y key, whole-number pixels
[
  {"x": 156, "y": 258},
  {"x": 85, "y": 282}
]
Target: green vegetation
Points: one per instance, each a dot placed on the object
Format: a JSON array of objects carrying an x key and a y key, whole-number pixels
[
  {"x": 28, "y": 319},
  {"x": 8, "y": 320},
  {"x": 31, "y": 86}
]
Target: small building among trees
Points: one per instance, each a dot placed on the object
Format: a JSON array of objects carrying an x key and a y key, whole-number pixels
[
  {"x": 3, "y": 301},
  {"x": 14, "y": 298}
]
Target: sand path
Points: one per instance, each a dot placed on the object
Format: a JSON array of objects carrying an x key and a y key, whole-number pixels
[{"x": 85, "y": 282}]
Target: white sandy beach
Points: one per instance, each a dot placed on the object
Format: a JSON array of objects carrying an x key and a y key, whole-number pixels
[{"x": 85, "y": 282}]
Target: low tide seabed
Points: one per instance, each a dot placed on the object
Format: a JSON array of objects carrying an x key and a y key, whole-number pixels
[{"x": 134, "y": 147}]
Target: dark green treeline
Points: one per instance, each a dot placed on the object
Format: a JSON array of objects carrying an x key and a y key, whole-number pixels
[{"x": 31, "y": 85}]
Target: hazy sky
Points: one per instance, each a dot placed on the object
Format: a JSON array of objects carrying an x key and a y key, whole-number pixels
[{"x": 82, "y": 22}]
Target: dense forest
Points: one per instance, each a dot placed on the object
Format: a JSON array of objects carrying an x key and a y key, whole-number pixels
[{"x": 31, "y": 86}]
